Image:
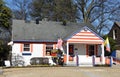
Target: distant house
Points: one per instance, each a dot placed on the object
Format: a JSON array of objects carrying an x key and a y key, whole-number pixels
[
  {"x": 115, "y": 34},
  {"x": 38, "y": 38}
]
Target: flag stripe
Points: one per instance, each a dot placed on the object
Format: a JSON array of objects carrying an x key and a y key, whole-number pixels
[{"x": 85, "y": 37}]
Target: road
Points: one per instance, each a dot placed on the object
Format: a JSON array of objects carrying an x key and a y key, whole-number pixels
[{"x": 63, "y": 72}]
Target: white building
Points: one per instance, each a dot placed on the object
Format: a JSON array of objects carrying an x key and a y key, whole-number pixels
[{"x": 80, "y": 41}]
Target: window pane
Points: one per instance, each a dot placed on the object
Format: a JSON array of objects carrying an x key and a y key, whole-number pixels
[
  {"x": 49, "y": 47},
  {"x": 26, "y": 47},
  {"x": 91, "y": 50},
  {"x": 71, "y": 49},
  {"x": 115, "y": 31},
  {"x": 115, "y": 34}
]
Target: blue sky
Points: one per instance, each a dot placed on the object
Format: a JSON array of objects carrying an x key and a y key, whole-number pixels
[{"x": 9, "y": 4}]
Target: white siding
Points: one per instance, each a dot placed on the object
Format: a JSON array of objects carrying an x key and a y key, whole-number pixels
[
  {"x": 99, "y": 50},
  {"x": 37, "y": 50},
  {"x": 16, "y": 48},
  {"x": 81, "y": 49},
  {"x": 84, "y": 60}
]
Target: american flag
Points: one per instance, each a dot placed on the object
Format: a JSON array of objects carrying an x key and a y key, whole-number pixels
[{"x": 59, "y": 43}]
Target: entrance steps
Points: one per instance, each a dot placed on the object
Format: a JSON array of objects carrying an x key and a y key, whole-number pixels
[{"x": 80, "y": 65}]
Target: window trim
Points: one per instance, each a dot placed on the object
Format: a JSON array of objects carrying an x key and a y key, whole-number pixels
[
  {"x": 49, "y": 47},
  {"x": 95, "y": 49},
  {"x": 24, "y": 52},
  {"x": 26, "y": 47},
  {"x": 71, "y": 49},
  {"x": 115, "y": 34}
]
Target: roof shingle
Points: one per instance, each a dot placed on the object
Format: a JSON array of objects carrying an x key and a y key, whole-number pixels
[{"x": 45, "y": 30}]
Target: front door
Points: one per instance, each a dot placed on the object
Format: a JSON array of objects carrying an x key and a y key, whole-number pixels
[
  {"x": 91, "y": 50},
  {"x": 71, "y": 50}
]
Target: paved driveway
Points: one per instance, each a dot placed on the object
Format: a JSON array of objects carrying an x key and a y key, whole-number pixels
[{"x": 62, "y": 72}]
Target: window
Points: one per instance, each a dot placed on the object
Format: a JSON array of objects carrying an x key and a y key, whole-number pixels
[
  {"x": 71, "y": 50},
  {"x": 91, "y": 49},
  {"x": 114, "y": 34},
  {"x": 49, "y": 47},
  {"x": 26, "y": 47}
]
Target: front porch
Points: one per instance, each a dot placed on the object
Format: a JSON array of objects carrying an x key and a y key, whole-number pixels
[
  {"x": 82, "y": 46},
  {"x": 79, "y": 54}
]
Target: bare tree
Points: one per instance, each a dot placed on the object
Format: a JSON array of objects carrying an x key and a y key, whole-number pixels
[
  {"x": 98, "y": 12},
  {"x": 54, "y": 10},
  {"x": 20, "y": 8}
]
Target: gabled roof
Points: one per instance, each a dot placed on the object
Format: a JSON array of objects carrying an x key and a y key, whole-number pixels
[
  {"x": 115, "y": 24},
  {"x": 118, "y": 23},
  {"x": 84, "y": 28},
  {"x": 45, "y": 31}
]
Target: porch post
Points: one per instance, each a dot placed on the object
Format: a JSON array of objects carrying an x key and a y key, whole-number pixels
[
  {"x": 67, "y": 60},
  {"x": 103, "y": 57}
]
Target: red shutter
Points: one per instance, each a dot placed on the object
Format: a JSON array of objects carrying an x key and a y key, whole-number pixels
[
  {"x": 44, "y": 50},
  {"x": 31, "y": 47},
  {"x": 21, "y": 47},
  {"x": 86, "y": 49},
  {"x": 96, "y": 50}
]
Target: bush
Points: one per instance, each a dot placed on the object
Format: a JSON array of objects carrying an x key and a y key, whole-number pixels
[{"x": 39, "y": 61}]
